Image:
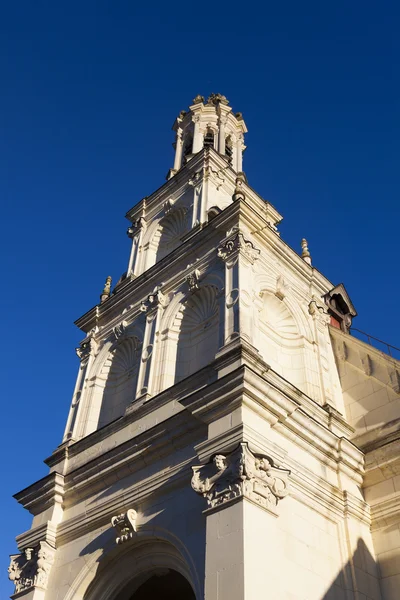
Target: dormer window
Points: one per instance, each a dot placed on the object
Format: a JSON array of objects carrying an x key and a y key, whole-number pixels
[
  {"x": 209, "y": 138},
  {"x": 340, "y": 308}
]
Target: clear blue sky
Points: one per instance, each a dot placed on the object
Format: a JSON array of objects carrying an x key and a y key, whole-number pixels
[{"x": 89, "y": 92}]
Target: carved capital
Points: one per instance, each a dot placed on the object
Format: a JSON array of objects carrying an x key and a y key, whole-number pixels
[
  {"x": 241, "y": 474},
  {"x": 31, "y": 568},
  {"x": 125, "y": 525},
  {"x": 238, "y": 244}
]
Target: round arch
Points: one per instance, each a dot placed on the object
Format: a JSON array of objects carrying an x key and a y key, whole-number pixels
[{"x": 121, "y": 570}]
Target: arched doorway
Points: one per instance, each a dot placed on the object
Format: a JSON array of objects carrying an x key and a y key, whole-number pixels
[{"x": 161, "y": 584}]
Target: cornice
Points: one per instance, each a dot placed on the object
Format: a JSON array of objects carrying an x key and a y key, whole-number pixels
[
  {"x": 42, "y": 494},
  {"x": 386, "y": 513}
]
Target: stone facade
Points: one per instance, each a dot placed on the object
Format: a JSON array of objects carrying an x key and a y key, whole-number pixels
[{"x": 227, "y": 437}]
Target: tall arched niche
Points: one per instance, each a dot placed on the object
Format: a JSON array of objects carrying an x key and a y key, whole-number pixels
[
  {"x": 280, "y": 341},
  {"x": 120, "y": 374},
  {"x": 198, "y": 325}
]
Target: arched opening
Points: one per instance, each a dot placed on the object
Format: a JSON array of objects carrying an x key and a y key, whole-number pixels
[
  {"x": 198, "y": 332},
  {"x": 187, "y": 147},
  {"x": 209, "y": 138},
  {"x": 163, "y": 584},
  {"x": 229, "y": 148}
]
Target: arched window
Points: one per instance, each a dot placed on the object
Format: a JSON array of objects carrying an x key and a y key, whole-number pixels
[
  {"x": 209, "y": 138},
  {"x": 187, "y": 147}
]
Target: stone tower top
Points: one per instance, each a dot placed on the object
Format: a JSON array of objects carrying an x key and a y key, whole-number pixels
[{"x": 209, "y": 123}]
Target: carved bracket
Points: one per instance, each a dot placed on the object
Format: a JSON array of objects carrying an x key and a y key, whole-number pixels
[
  {"x": 157, "y": 298},
  {"x": 318, "y": 312},
  {"x": 125, "y": 524},
  {"x": 136, "y": 227},
  {"x": 238, "y": 244},
  {"x": 241, "y": 474},
  {"x": 31, "y": 568},
  {"x": 120, "y": 330},
  {"x": 192, "y": 279}
]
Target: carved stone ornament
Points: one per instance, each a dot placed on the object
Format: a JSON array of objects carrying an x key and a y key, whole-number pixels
[
  {"x": 119, "y": 330},
  {"x": 241, "y": 474},
  {"x": 135, "y": 228},
  {"x": 318, "y": 312},
  {"x": 157, "y": 298},
  {"x": 169, "y": 206},
  {"x": 239, "y": 194},
  {"x": 216, "y": 99},
  {"x": 125, "y": 524},
  {"x": 238, "y": 244},
  {"x": 192, "y": 279},
  {"x": 198, "y": 99},
  {"x": 281, "y": 287},
  {"x": 83, "y": 351},
  {"x": 31, "y": 568},
  {"x": 195, "y": 179}
]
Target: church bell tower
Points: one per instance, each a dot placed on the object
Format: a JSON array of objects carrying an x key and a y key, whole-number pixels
[{"x": 214, "y": 447}]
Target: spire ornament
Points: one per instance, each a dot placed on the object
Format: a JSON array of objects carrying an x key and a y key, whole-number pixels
[
  {"x": 305, "y": 255},
  {"x": 107, "y": 290},
  {"x": 239, "y": 194},
  {"x": 198, "y": 99},
  {"x": 216, "y": 99}
]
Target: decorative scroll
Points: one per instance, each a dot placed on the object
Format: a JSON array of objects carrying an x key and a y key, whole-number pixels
[
  {"x": 31, "y": 568},
  {"x": 241, "y": 474},
  {"x": 125, "y": 524}
]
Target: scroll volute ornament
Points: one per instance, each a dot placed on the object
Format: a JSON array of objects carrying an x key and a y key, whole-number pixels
[
  {"x": 125, "y": 525},
  {"x": 241, "y": 474}
]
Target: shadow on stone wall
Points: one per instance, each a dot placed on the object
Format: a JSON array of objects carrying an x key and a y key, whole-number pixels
[{"x": 358, "y": 580}]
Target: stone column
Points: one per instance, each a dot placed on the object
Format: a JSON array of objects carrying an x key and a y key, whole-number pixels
[
  {"x": 221, "y": 135},
  {"x": 85, "y": 352},
  {"x": 135, "y": 233},
  {"x": 242, "y": 492},
  {"x": 239, "y": 154},
  {"x": 197, "y": 135},
  {"x": 153, "y": 307},
  {"x": 178, "y": 150},
  {"x": 239, "y": 254}
]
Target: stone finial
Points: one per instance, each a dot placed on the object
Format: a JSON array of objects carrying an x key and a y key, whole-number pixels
[
  {"x": 198, "y": 99},
  {"x": 305, "y": 254},
  {"x": 239, "y": 194},
  {"x": 107, "y": 290},
  {"x": 216, "y": 99}
]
